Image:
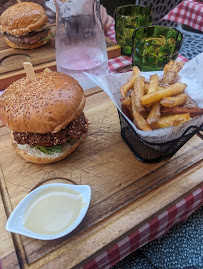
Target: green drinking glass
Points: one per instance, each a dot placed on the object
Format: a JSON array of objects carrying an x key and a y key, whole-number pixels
[
  {"x": 154, "y": 46},
  {"x": 127, "y": 19}
]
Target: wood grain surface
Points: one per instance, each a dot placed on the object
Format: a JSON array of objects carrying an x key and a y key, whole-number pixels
[
  {"x": 125, "y": 192},
  {"x": 7, "y": 247}
]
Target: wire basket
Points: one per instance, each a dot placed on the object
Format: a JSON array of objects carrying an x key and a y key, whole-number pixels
[{"x": 153, "y": 152}]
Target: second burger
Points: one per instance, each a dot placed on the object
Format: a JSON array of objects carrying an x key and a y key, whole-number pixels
[
  {"x": 45, "y": 116},
  {"x": 24, "y": 26}
]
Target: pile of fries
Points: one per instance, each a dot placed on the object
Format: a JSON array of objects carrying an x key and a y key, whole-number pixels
[{"x": 158, "y": 103}]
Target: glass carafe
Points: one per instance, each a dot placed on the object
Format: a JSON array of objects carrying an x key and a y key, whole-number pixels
[{"x": 80, "y": 40}]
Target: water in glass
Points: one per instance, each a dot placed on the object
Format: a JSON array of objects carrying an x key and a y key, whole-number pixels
[{"x": 80, "y": 40}]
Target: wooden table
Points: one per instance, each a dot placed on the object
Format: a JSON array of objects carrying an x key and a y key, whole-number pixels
[{"x": 126, "y": 193}]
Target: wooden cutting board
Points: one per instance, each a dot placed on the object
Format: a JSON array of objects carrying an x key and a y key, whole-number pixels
[
  {"x": 11, "y": 60},
  {"x": 126, "y": 193}
]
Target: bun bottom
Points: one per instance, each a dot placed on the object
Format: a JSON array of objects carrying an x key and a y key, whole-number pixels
[
  {"x": 34, "y": 155},
  {"x": 25, "y": 46}
]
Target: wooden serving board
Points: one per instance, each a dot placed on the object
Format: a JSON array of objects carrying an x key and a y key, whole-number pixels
[
  {"x": 11, "y": 60},
  {"x": 126, "y": 193}
]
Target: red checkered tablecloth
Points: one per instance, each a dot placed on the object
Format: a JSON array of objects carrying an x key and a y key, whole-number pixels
[
  {"x": 188, "y": 12},
  {"x": 148, "y": 232}
]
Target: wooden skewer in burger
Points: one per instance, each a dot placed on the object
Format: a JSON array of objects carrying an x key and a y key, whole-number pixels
[{"x": 44, "y": 112}]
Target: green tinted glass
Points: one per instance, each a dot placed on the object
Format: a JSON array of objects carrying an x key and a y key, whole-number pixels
[
  {"x": 154, "y": 46},
  {"x": 127, "y": 19}
]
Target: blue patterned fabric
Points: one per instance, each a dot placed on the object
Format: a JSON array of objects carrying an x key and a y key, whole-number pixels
[
  {"x": 136, "y": 260},
  {"x": 180, "y": 248}
]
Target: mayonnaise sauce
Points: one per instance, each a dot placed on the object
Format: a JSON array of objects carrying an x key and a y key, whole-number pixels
[{"x": 53, "y": 210}]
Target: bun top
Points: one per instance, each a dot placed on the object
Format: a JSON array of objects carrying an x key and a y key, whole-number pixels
[
  {"x": 20, "y": 19},
  {"x": 45, "y": 105}
]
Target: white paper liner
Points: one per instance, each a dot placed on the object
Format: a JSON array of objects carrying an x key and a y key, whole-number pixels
[{"x": 191, "y": 74}]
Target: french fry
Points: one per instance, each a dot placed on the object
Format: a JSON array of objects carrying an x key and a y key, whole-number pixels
[
  {"x": 136, "y": 71},
  {"x": 153, "y": 84},
  {"x": 127, "y": 102},
  {"x": 156, "y": 96},
  {"x": 126, "y": 111},
  {"x": 171, "y": 120},
  {"x": 130, "y": 84},
  {"x": 172, "y": 71},
  {"x": 138, "y": 93},
  {"x": 182, "y": 110},
  {"x": 190, "y": 103},
  {"x": 154, "y": 114},
  {"x": 168, "y": 66},
  {"x": 158, "y": 103},
  {"x": 174, "y": 100},
  {"x": 140, "y": 122},
  {"x": 146, "y": 87}
]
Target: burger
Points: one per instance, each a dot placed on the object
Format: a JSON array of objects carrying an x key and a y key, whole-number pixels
[
  {"x": 45, "y": 116},
  {"x": 24, "y": 26}
]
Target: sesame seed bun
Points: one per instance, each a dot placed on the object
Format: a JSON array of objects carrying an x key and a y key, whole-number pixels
[
  {"x": 45, "y": 105},
  {"x": 20, "y": 19},
  {"x": 34, "y": 155},
  {"x": 50, "y": 104}
]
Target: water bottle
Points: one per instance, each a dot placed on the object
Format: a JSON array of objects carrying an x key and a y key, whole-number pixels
[{"x": 80, "y": 41}]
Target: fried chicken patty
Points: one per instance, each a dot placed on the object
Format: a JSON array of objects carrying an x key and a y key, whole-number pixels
[{"x": 73, "y": 130}]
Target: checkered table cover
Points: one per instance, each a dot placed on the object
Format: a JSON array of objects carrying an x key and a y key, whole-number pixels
[
  {"x": 188, "y": 12},
  {"x": 148, "y": 232}
]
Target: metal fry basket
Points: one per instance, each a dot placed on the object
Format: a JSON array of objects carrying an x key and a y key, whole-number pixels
[{"x": 152, "y": 152}]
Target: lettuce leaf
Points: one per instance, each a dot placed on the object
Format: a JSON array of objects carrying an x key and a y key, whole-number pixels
[
  {"x": 49, "y": 36},
  {"x": 49, "y": 149}
]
